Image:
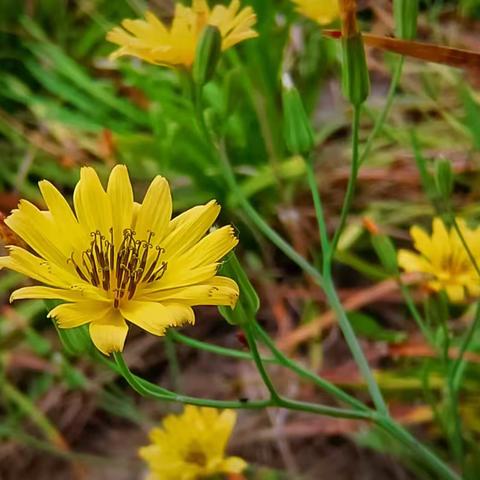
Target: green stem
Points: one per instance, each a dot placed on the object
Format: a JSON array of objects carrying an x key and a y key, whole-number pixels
[
  {"x": 174, "y": 367},
  {"x": 329, "y": 289},
  {"x": 459, "y": 363},
  {"x": 34, "y": 414},
  {"x": 464, "y": 243},
  {"x": 148, "y": 389},
  {"x": 352, "y": 181},
  {"x": 397, "y": 73},
  {"x": 317, "y": 202},
  {"x": 452, "y": 425},
  {"x": 441, "y": 469},
  {"x": 354, "y": 346},
  {"x": 324, "y": 409},
  {"x": 326, "y": 386},
  {"x": 415, "y": 313},
  {"x": 208, "y": 347},
  {"x": 249, "y": 333}
]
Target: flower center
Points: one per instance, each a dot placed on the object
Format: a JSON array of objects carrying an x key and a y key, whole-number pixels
[
  {"x": 120, "y": 270},
  {"x": 197, "y": 456}
]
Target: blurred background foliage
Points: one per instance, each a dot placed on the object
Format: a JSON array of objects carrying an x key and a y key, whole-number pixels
[{"x": 63, "y": 104}]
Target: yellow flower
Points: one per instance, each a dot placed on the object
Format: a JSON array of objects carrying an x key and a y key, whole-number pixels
[
  {"x": 192, "y": 446},
  {"x": 444, "y": 260},
  {"x": 175, "y": 45},
  {"x": 115, "y": 259},
  {"x": 320, "y": 11}
]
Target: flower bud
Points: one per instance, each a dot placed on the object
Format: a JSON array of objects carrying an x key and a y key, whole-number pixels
[
  {"x": 75, "y": 341},
  {"x": 355, "y": 78},
  {"x": 296, "y": 125},
  {"x": 386, "y": 253},
  {"x": 443, "y": 178},
  {"x": 207, "y": 55},
  {"x": 248, "y": 302}
]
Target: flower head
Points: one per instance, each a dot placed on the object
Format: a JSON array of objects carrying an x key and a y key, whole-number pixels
[
  {"x": 320, "y": 11},
  {"x": 115, "y": 260},
  {"x": 175, "y": 45},
  {"x": 443, "y": 259},
  {"x": 192, "y": 446}
]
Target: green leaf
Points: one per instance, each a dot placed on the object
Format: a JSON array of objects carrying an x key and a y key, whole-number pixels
[{"x": 368, "y": 327}]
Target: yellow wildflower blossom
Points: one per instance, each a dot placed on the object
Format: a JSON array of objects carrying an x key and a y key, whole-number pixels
[
  {"x": 192, "y": 445},
  {"x": 443, "y": 259},
  {"x": 115, "y": 259},
  {"x": 320, "y": 11},
  {"x": 175, "y": 45}
]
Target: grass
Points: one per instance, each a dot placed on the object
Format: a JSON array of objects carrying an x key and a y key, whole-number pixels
[{"x": 63, "y": 105}]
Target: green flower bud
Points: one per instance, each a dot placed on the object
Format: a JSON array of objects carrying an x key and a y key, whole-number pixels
[
  {"x": 75, "y": 341},
  {"x": 386, "y": 253},
  {"x": 207, "y": 55},
  {"x": 296, "y": 127},
  {"x": 248, "y": 302},
  {"x": 355, "y": 77},
  {"x": 405, "y": 13},
  {"x": 443, "y": 178}
]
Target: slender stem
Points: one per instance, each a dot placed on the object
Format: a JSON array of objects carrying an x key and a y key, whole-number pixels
[
  {"x": 208, "y": 347},
  {"x": 174, "y": 367},
  {"x": 138, "y": 384},
  {"x": 25, "y": 404},
  {"x": 452, "y": 425},
  {"x": 464, "y": 243},
  {"x": 328, "y": 287},
  {"x": 415, "y": 313},
  {"x": 148, "y": 389},
  {"x": 352, "y": 181},
  {"x": 278, "y": 241},
  {"x": 325, "y": 385},
  {"x": 324, "y": 409},
  {"x": 354, "y": 346},
  {"x": 317, "y": 202},
  {"x": 249, "y": 333},
  {"x": 441, "y": 469},
  {"x": 380, "y": 121},
  {"x": 459, "y": 362}
]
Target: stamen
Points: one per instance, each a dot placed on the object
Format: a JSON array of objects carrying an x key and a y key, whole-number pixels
[
  {"x": 77, "y": 268},
  {"x": 120, "y": 273}
]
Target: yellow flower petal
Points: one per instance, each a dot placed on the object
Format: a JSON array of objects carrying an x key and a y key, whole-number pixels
[
  {"x": 92, "y": 204},
  {"x": 109, "y": 332},
  {"x": 63, "y": 217},
  {"x": 119, "y": 190},
  {"x": 155, "y": 211},
  {"x": 34, "y": 267},
  {"x": 321, "y": 11},
  {"x": 233, "y": 465},
  {"x": 456, "y": 293},
  {"x": 217, "y": 291},
  {"x": 213, "y": 247},
  {"x": 39, "y": 231},
  {"x": 154, "y": 317},
  {"x": 187, "y": 229},
  {"x": 78, "y": 294},
  {"x": 71, "y": 315},
  {"x": 411, "y": 262},
  {"x": 180, "y": 274}
]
